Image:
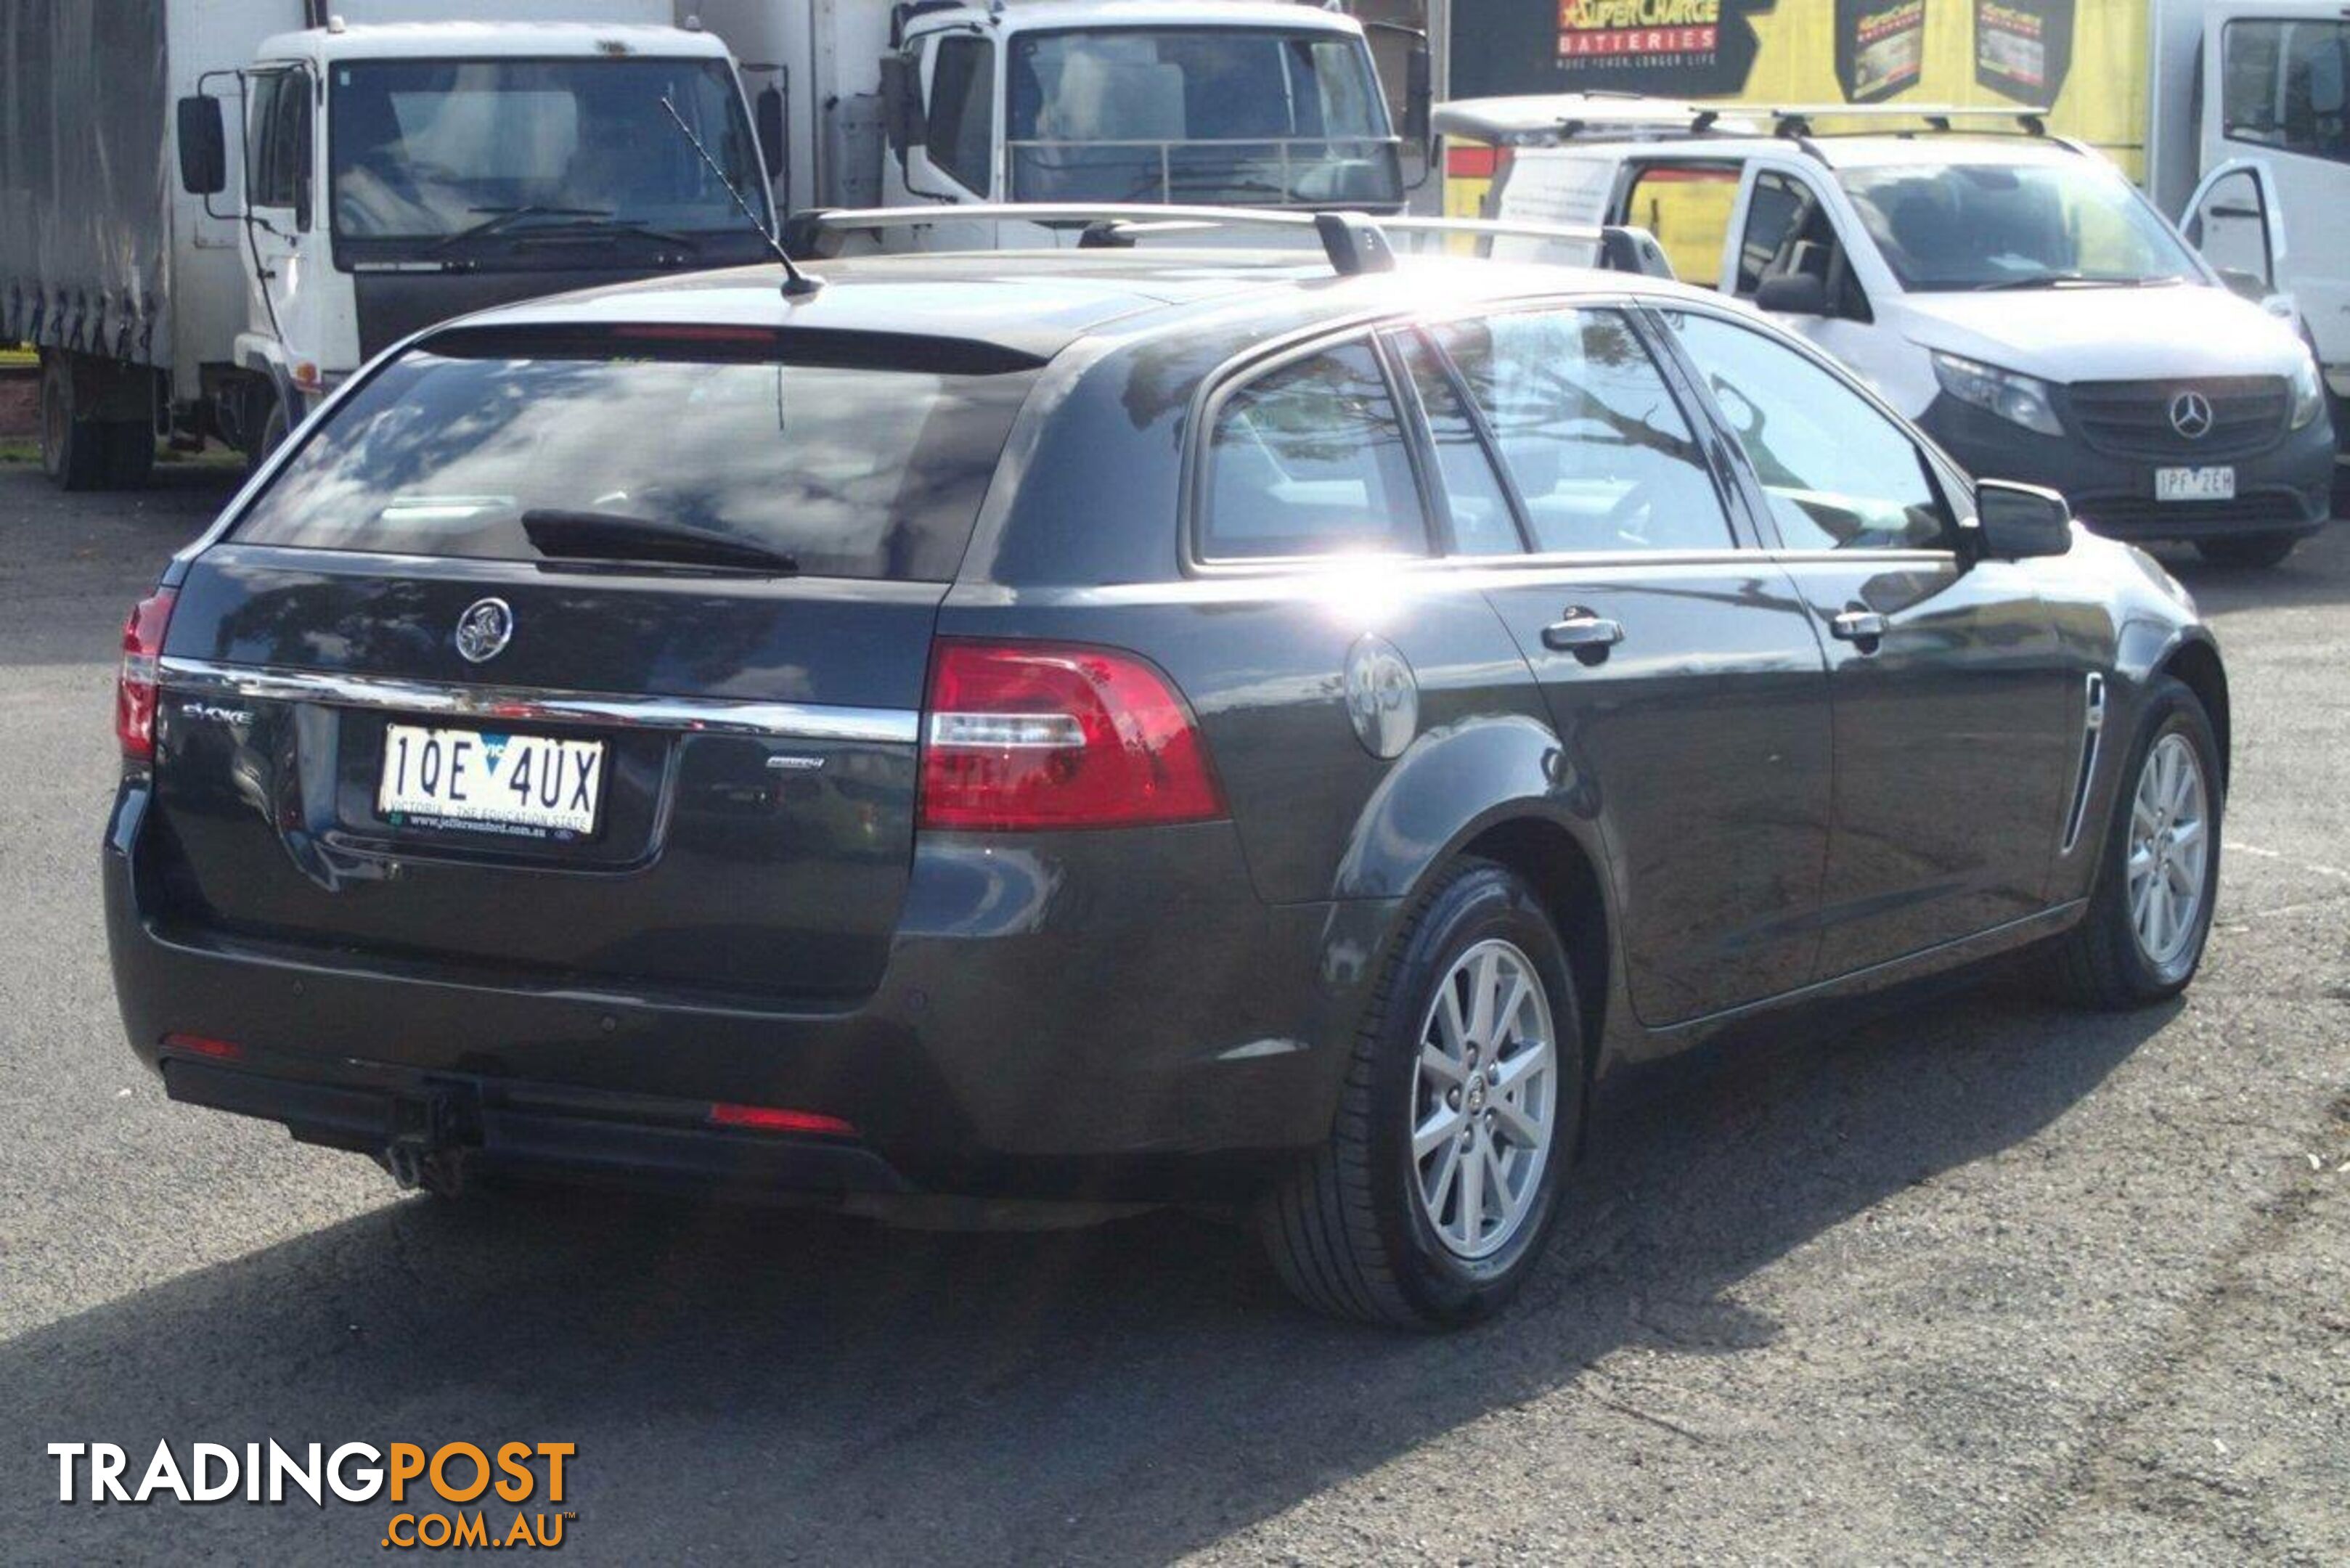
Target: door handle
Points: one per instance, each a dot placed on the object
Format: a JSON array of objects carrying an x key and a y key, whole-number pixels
[
  {"x": 1863, "y": 628},
  {"x": 1580, "y": 632}
]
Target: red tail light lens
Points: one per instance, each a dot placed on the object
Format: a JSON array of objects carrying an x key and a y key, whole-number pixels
[
  {"x": 205, "y": 1045},
  {"x": 776, "y": 1118},
  {"x": 1023, "y": 735},
  {"x": 135, "y": 689}
]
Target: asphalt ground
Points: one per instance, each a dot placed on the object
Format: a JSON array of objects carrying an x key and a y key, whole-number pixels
[{"x": 1977, "y": 1278}]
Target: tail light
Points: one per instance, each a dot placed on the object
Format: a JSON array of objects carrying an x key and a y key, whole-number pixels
[
  {"x": 778, "y": 1119},
  {"x": 134, "y": 688},
  {"x": 1023, "y": 735}
]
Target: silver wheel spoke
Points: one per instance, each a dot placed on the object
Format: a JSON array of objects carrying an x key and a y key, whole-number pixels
[
  {"x": 1530, "y": 1058},
  {"x": 1521, "y": 1128},
  {"x": 1437, "y": 1064},
  {"x": 2169, "y": 860},
  {"x": 1442, "y": 1127}
]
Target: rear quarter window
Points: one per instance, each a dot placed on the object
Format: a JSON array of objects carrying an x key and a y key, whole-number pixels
[
  {"x": 1310, "y": 458},
  {"x": 854, "y": 470}
]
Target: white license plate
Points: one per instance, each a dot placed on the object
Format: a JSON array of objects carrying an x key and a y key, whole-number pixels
[
  {"x": 2194, "y": 484},
  {"x": 529, "y": 784}
]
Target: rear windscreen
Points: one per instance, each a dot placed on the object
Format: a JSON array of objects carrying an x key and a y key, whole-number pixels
[{"x": 852, "y": 471}]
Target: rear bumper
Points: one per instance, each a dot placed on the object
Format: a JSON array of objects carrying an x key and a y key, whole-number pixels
[
  {"x": 1103, "y": 1016},
  {"x": 2287, "y": 489}
]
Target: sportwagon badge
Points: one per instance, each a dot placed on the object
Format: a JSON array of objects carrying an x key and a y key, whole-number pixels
[
  {"x": 2191, "y": 415},
  {"x": 485, "y": 630}
]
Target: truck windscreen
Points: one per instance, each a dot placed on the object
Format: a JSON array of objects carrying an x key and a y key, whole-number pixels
[
  {"x": 449, "y": 157},
  {"x": 1240, "y": 115}
]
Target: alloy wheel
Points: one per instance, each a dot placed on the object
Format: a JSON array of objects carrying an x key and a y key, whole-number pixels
[
  {"x": 1485, "y": 1099},
  {"x": 2169, "y": 852}
]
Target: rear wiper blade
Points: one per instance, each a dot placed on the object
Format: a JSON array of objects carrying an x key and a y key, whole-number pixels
[
  {"x": 615, "y": 536},
  {"x": 503, "y": 217}
]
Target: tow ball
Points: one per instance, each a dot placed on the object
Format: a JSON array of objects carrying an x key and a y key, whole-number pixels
[{"x": 429, "y": 1134}]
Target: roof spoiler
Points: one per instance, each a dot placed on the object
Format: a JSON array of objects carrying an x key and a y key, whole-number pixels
[{"x": 1354, "y": 243}]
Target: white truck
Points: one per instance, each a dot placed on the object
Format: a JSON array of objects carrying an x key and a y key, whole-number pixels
[
  {"x": 211, "y": 211},
  {"x": 2248, "y": 143},
  {"x": 1229, "y": 102}
]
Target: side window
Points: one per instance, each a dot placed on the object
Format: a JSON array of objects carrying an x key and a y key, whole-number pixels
[
  {"x": 1602, "y": 455},
  {"x": 278, "y": 156},
  {"x": 1789, "y": 231},
  {"x": 962, "y": 125},
  {"x": 2286, "y": 85},
  {"x": 1687, "y": 206},
  {"x": 1475, "y": 500},
  {"x": 1309, "y": 459},
  {"x": 1839, "y": 474}
]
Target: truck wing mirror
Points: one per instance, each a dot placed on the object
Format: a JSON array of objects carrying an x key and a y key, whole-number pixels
[
  {"x": 767, "y": 111},
  {"x": 901, "y": 105},
  {"x": 203, "y": 146},
  {"x": 1793, "y": 294},
  {"x": 1419, "y": 94},
  {"x": 2019, "y": 521}
]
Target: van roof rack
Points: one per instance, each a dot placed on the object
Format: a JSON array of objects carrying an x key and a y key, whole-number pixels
[
  {"x": 1541, "y": 119},
  {"x": 1796, "y": 121},
  {"x": 1354, "y": 243}
]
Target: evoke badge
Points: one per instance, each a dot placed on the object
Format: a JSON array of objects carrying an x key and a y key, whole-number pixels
[
  {"x": 485, "y": 630},
  {"x": 2191, "y": 415}
]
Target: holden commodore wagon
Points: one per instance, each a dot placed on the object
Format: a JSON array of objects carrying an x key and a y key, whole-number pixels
[{"x": 1118, "y": 726}]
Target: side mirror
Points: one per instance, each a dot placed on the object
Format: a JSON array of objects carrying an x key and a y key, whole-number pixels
[
  {"x": 203, "y": 146},
  {"x": 1419, "y": 94},
  {"x": 2245, "y": 285},
  {"x": 2019, "y": 521},
  {"x": 901, "y": 105},
  {"x": 1793, "y": 294},
  {"x": 767, "y": 117}
]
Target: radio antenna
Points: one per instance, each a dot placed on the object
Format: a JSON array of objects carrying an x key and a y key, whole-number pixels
[{"x": 797, "y": 284}]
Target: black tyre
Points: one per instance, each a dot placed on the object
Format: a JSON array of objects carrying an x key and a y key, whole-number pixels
[
  {"x": 130, "y": 455},
  {"x": 72, "y": 450},
  {"x": 2247, "y": 550},
  {"x": 2158, "y": 870},
  {"x": 1432, "y": 1201}
]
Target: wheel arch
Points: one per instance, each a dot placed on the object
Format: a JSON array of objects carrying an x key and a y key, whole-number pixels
[
  {"x": 2194, "y": 662},
  {"x": 1567, "y": 878}
]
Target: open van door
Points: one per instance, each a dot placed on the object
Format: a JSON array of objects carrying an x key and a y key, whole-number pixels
[{"x": 2233, "y": 218}]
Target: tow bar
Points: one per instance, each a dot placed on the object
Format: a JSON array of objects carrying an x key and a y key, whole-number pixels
[{"x": 429, "y": 1134}]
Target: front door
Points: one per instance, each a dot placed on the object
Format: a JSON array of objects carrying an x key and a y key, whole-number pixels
[
  {"x": 1956, "y": 716},
  {"x": 284, "y": 296},
  {"x": 1680, "y": 669}
]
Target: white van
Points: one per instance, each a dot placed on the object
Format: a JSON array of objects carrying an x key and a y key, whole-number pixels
[{"x": 2013, "y": 293}]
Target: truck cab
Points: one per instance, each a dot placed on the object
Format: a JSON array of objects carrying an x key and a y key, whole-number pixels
[
  {"x": 2270, "y": 205},
  {"x": 389, "y": 177},
  {"x": 1225, "y": 102}
]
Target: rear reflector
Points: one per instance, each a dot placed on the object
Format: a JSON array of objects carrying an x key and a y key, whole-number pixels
[
  {"x": 203, "y": 1046},
  {"x": 774, "y": 1118},
  {"x": 134, "y": 687},
  {"x": 1471, "y": 160},
  {"x": 1028, "y": 735}
]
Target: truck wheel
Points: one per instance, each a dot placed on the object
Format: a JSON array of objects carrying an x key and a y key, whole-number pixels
[
  {"x": 73, "y": 451},
  {"x": 2247, "y": 550},
  {"x": 273, "y": 426},
  {"x": 2158, "y": 876},
  {"x": 130, "y": 455},
  {"x": 1430, "y": 1205}
]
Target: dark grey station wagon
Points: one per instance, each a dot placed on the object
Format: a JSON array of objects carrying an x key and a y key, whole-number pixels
[{"x": 1115, "y": 726}]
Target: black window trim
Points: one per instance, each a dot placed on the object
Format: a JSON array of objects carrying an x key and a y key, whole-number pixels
[{"x": 1958, "y": 522}]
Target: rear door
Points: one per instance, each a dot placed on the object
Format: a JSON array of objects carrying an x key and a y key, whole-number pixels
[
  {"x": 590, "y": 659},
  {"x": 1679, "y": 667},
  {"x": 1958, "y": 718}
]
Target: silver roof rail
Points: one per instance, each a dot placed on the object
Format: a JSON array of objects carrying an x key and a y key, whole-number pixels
[
  {"x": 1796, "y": 119},
  {"x": 1354, "y": 243}
]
